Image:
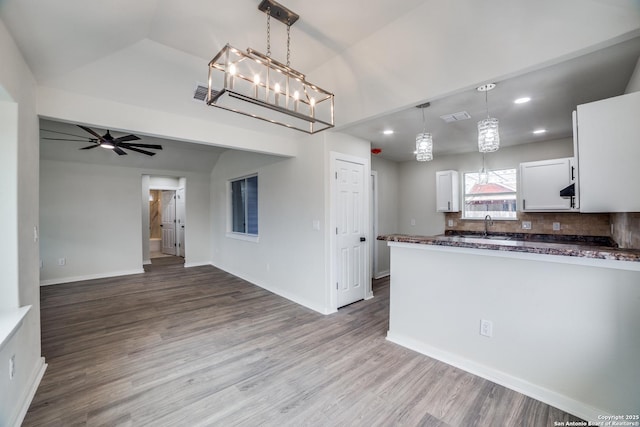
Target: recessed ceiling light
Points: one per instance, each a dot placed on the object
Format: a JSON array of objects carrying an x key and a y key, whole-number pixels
[
  {"x": 539, "y": 131},
  {"x": 388, "y": 131},
  {"x": 522, "y": 100}
]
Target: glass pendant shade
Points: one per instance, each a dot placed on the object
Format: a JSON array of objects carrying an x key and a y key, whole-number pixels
[
  {"x": 488, "y": 135},
  {"x": 424, "y": 147}
]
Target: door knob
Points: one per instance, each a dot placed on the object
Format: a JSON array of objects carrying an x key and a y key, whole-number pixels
[{"x": 363, "y": 239}]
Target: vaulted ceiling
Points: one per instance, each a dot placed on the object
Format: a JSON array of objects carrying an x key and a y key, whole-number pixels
[{"x": 381, "y": 57}]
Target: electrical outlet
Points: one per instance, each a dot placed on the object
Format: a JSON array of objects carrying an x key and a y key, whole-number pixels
[
  {"x": 526, "y": 225},
  {"x": 62, "y": 261},
  {"x": 12, "y": 366},
  {"x": 486, "y": 328},
  {"x": 450, "y": 223},
  {"x": 413, "y": 221},
  {"x": 556, "y": 226}
]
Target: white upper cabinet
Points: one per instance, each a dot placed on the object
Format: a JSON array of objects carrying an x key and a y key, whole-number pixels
[
  {"x": 541, "y": 182},
  {"x": 447, "y": 191},
  {"x": 608, "y": 142}
]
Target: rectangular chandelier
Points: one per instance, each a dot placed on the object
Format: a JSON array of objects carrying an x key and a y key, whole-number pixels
[{"x": 256, "y": 85}]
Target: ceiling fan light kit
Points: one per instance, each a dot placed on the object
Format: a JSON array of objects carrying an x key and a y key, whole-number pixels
[{"x": 255, "y": 85}]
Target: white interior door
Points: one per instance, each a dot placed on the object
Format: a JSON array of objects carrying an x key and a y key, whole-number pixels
[
  {"x": 350, "y": 231},
  {"x": 180, "y": 223},
  {"x": 169, "y": 222}
]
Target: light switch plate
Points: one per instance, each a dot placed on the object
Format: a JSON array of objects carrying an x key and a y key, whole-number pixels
[
  {"x": 526, "y": 225},
  {"x": 556, "y": 226}
]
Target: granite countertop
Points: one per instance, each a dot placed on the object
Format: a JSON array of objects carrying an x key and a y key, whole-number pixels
[{"x": 573, "y": 247}]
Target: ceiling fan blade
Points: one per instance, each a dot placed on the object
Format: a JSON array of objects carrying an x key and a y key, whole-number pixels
[
  {"x": 90, "y": 147},
  {"x": 153, "y": 146},
  {"x": 91, "y": 131},
  {"x": 119, "y": 151},
  {"x": 148, "y": 153},
  {"x": 126, "y": 138},
  {"x": 62, "y": 133},
  {"x": 68, "y": 139}
]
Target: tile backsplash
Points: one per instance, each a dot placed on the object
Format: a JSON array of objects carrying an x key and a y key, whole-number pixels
[
  {"x": 626, "y": 229},
  {"x": 541, "y": 223},
  {"x": 623, "y": 228}
]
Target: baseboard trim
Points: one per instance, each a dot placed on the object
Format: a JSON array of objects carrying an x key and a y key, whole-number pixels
[
  {"x": 196, "y": 264},
  {"x": 279, "y": 292},
  {"x": 381, "y": 274},
  {"x": 534, "y": 391},
  {"x": 89, "y": 277},
  {"x": 35, "y": 379}
]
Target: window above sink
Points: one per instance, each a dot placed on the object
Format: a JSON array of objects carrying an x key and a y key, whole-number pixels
[{"x": 492, "y": 193}]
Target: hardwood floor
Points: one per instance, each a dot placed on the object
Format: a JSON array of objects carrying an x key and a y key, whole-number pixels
[{"x": 200, "y": 347}]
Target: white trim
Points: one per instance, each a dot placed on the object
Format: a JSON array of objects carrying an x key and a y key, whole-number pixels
[
  {"x": 284, "y": 294},
  {"x": 241, "y": 236},
  {"x": 374, "y": 224},
  {"x": 333, "y": 157},
  {"x": 61, "y": 280},
  {"x": 196, "y": 264},
  {"x": 561, "y": 259},
  {"x": 146, "y": 262},
  {"x": 10, "y": 321},
  {"x": 381, "y": 274},
  {"x": 35, "y": 379},
  {"x": 534, "y": 391}
]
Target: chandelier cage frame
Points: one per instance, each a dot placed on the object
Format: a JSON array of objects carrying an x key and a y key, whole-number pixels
[{"x": 256, "y": 85}]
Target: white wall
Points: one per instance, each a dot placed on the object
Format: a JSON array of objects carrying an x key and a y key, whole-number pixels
[
  {"x": 388, "y": 207},
  {"x": 441, "y": 48},
  {"x": 634, "y": 81},
  {"x": 290, "y": 258},
  {"x": 19, "y": 215},
  {"x": 417, "y": 180},
  {"x": 563, "y": 333},
  {"x": 92, "y": 216}
]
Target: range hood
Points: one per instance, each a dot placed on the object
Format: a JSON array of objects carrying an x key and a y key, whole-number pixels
[{"x": 568, "y": 191}]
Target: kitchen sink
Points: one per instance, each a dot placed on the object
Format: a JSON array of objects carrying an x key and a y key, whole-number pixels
[{"x": 488, "y": 237}]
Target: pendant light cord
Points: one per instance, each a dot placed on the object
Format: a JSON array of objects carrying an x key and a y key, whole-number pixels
[
  {"x": 424, "y": 123},
  {"x": 288, "y": 43},
  {"x": 486, "y": 102}
]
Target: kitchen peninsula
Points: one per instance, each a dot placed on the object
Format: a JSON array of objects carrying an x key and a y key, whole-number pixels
[{"x": 560, "y": 322}]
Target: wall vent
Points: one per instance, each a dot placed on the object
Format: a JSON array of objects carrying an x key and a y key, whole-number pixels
[
  {"x": 200, "y": 92},
  {"x": 455, "y": 117}
]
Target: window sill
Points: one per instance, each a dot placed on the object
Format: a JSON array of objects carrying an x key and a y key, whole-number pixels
[
  {"x": 245, "y": 237},
  {"x": 10, "y": 321}
]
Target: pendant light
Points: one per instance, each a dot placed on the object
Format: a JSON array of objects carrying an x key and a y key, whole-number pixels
[
  {"x": 256, "y": 85},
  {"x": 488, "y": 133},
  {"x": 424, "y": 140}
]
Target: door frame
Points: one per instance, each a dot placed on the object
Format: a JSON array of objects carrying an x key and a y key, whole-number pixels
[
  {"x": 374, "y": 223},
  {"x": 333, "y": 241},
  {"x": 146, "y": 186}
]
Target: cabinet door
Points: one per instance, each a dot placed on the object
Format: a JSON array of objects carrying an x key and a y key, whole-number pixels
[
  {"x": 541, "y": 182},
  {"x": 608, "y": 153},
  {"x": 447, "y": 191}
]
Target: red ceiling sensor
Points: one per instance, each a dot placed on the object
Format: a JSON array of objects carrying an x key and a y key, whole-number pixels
[{"x": 375, "y": 151}]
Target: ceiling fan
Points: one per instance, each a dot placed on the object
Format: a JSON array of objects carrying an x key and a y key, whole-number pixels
[{"x": 108, "y": 141}]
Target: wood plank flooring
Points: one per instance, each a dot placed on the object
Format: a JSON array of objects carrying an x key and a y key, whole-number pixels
[{"x": 200, "y": 347}]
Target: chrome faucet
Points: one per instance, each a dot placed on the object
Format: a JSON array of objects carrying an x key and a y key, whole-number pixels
[{"x": 487, "y": 222}]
